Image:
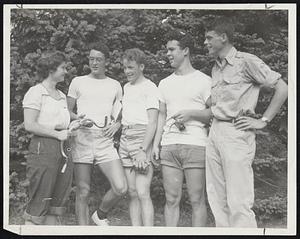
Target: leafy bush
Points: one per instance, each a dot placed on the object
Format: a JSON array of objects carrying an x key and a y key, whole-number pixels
[
  {"x": 272, "y": 207},
  {"x": 17, "y": 193}
]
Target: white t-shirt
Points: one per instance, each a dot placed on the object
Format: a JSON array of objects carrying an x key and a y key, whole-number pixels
[
  {"x": 96, "y": 98},
  {"x": 54, "y": 113},
  {"x": 136, "y": 100},
  {"x": 185, "y": 92}
]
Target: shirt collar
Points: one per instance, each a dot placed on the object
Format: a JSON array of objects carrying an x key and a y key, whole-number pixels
[
  {"x": 45, "y": 92},
  {"x": 229, "y": 57}
]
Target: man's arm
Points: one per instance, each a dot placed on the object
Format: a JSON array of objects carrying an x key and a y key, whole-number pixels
[
  {"x": 161, "y": 121},
  {"x": 150, "y": 131},
  {"x": 280, "y": 95},
  {"x": 151, "y": 128},
  {"x": 71, "y": 104},
  {"x": 113, "y": 127},
  {"x": 203, "y": 116}
]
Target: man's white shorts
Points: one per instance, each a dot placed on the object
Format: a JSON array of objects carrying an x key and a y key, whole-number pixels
[{"x": 92, "y": 147}]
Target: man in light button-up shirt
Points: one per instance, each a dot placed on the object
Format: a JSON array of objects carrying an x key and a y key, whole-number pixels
[{"x": 236, "y": 81}]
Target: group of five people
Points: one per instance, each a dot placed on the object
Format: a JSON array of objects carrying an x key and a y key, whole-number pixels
[{"x": 165, "y": 124}]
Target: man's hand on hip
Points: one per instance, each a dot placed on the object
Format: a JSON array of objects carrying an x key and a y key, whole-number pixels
[{"x": 248, "y": 123}]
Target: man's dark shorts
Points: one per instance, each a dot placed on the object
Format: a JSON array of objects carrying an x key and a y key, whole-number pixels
[
  {"x": 49, "y": 188},
  {"x": 183, "y": 156}
]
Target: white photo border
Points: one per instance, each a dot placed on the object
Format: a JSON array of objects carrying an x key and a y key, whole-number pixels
[{"x": 129, "y": 230}]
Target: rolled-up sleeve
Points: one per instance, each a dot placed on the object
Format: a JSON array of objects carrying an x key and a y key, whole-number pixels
[
  {"x": 259, "y": 72},
  {"x": 33, "y": 99}
]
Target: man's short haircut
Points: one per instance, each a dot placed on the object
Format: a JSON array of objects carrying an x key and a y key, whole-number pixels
[
  {"x": 135, "y": 54},
  {"x": 222, "y": 25},
  {"x": 184, "y": 39},
  {"x": 49, "y": 61},
  {"x": 99, "y": 46}
]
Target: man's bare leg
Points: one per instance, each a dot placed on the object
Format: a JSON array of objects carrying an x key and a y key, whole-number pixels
[
  {"x": 114, "y": 172},
  {"x": 195, "y": 180},
  {"x": 134, "y": 204},
  {"x": 172, "y": 181},
  {"x": 82, "y": 180},
  {"x": 143, "y": 183}
]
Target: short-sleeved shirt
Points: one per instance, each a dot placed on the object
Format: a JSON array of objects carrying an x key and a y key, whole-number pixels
[
  {"x": 185, "y": 92},
  {"x": 137, "y": 99},
  {"x": 53, "y": 113},
  {"x": 236, "y": 83},
  {"x": 96, "y": 98}
]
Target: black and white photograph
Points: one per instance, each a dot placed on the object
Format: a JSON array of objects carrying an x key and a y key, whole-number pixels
[{"x": 149, "y": 119}]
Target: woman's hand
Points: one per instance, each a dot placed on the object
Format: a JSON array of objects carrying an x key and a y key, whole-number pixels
[
  {"x": 62, "y": 135},
  {"x": 65, "y": 134}
]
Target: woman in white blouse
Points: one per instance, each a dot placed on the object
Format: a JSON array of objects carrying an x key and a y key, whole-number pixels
[{"x": 46, "y": 116}]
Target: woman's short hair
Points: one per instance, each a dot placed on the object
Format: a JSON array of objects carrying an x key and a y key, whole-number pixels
[
  {"x": 135, "y": 54},
  {"x": 49, "y": 62}
]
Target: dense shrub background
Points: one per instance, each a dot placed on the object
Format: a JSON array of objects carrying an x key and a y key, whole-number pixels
[{"x": 263, "y": 33}]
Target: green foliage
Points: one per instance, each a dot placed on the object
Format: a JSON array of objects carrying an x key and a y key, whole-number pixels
[
  {"x": 263, "y": 33},
  {"x": 272, "y": 207},
  {"x": 269, "y": 165},
  {"x": 17, "y": 193}
]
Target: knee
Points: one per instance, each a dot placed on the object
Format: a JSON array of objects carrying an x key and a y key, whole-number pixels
[
  {"x": 143, "y": 194},
  {"x": 120, "y": 190},
  {"x": 132, "y": 193},
  {"x": 197, "y": 199},
  {"x": 173, "y": 200},
  {"x": 83, "y": 192}
]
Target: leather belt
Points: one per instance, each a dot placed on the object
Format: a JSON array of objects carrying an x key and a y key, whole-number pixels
[{"x": 228, "y": 121}]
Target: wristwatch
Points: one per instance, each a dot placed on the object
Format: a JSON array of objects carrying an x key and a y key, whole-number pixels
[
  {"x": 265, "y": 119},
  {"x": 142, "y": 148}
]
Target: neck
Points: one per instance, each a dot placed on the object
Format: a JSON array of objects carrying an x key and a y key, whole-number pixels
[
  {"x": 49, "y": 83},
  {"x": 100, "y": 75},
  {"x": 139, "y": 80},
  {"x": 185, "y": 68},
  {"x": 223, "y": 53}
]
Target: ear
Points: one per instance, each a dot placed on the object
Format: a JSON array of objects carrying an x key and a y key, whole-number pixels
[
  {"x": 224, "y": 37},
  {"x": 142, "y": 67},
  {"x": 186, "y": 51}
]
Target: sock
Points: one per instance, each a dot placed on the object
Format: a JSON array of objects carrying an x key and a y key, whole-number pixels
[{"x": 102, "y": 215}]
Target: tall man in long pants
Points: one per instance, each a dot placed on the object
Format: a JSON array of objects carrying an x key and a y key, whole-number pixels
[{"x": 236, "y": 81}]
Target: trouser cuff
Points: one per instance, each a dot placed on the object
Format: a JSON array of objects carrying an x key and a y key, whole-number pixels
[
  {"x": 35, "y": 219},
  {"x": 59, "y": 211}
]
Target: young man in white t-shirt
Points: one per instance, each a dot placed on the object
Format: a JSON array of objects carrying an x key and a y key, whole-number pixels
[
  {"x": 181, "y": 131},
  {"x": 139, "y": 119},
  {"x": 98, "y": 98}
]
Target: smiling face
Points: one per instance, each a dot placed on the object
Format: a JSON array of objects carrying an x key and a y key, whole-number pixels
[
  {"x": 175, "y": 53},
  {"x": 214, "y": 42},
  {"x": 60, "y": 72},
  {"x": 97, "y": 62},
  {"x": 132, "y": 70}
]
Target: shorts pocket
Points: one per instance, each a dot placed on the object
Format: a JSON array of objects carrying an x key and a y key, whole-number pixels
[{"x": 34, "y": 146}]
